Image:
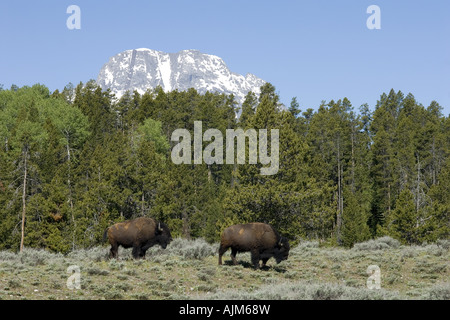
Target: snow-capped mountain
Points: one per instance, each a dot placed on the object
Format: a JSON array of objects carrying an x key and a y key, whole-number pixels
[{"x": 143, "y": 69}]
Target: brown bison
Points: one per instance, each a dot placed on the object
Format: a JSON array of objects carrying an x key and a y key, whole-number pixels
[
  {"x": 141, "y": 234},
  {"x": 261, "y": 239}
]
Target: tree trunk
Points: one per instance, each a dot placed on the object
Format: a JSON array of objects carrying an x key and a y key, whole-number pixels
[
  {"x": 142, "y": 203},
  {"x": 389, "y": 198},
  {"x": 434, "y": 166},
  {"x": 69, "y": 185},
  {"x": 418, "y": 191},
  {"x": 340, "y": 200},
  {"x": 353, "y": 163},
  {"x": 185, "y": 220},
  {"x": 24, "y": 198}
]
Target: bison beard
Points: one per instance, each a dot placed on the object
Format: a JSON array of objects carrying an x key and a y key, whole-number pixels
[
  {"x": 262, "y": 240},
  {"x": 140, "y": 234}
]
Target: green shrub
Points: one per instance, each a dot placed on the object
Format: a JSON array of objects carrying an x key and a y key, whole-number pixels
[
  {"x": 14, "y": 283},
  {"x": 445, "y": 244},
  {"x": 8, "y": 256},
  {"x": 377, "y": 244},
  {"x": 36, "y": 257},
  {"x": 116, "y": 265},
  {"x": 96, "y": 254},
  {"x": 193, "y": 249},
  {"x": 140, "y": 296},
  {"x": 113, "y": 295},
  {"x": 97, "y": 271},
  {"x": 188, "y": 249},
  {"x": 440, "y": 291},
  {"x": 304, "y": 247},
  {"x": 206, "y": 274},
  {"x": 124, "y": 286},
  {"x": 306, "y": 291},
  {"x": 408, "y": 252}
]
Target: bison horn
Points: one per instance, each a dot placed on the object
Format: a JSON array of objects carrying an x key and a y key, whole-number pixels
[
  {"x": 159, "y": 227},
  {"x": 280, "y": 242}
]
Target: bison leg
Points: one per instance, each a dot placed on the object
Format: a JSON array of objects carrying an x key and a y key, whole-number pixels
[
  {"x": 145, "y": 248},
  {"x": 233, "y": 255},
  {"x": 255, "y": 258},
  {"x": 222, "y": 250},
  {"x": 136, "y": 252},
  {"x": 113, "y": 251},
  {"x": 264, "y": 261}
]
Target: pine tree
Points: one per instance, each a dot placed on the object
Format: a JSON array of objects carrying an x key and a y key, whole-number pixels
[
  {"x": 248, "y": 109},
  {"x": 383, "y": 173},
  {"x": 439, "y": 223},
  {"x": 96, "y": 105},
  {"x": 354, "y": 220},
  {"x": 402, "y": 224},
  {"x": 24, "y": 142},
  {"x": 294, "y": 108}
]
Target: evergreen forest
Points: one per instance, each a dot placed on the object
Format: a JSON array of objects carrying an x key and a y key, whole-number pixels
[{"x": 75, "y": 161}]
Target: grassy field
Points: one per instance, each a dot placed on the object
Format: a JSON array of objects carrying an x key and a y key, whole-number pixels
[{"x": 189, "y": 270}]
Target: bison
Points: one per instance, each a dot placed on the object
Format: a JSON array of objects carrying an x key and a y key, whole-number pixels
[
  {"x": 261, "y": 239},
  {"x": 141, "y": 234}
]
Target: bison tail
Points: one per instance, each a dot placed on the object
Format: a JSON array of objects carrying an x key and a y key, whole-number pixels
[{"x": 105, "y": 234}]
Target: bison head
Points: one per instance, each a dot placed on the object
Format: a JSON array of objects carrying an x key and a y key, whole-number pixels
[
  {"x": 282, "y": 250},
  {"x": 163, "y": 236}
]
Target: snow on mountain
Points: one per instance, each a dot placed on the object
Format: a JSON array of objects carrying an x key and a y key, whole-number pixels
[{"x": 143, "y": 69}]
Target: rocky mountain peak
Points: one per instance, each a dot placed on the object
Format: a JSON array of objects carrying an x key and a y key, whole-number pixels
[{"x": 143, "y": 69}]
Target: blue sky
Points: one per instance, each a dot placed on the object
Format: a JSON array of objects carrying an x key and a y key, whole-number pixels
[{"x": 314, "y": 50}]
